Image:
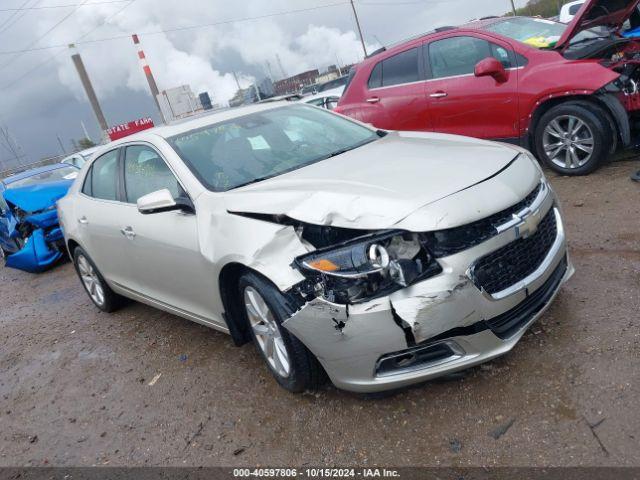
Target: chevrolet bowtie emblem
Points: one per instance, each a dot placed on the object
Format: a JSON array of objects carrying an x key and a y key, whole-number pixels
[{"x": 528, "y": 225}]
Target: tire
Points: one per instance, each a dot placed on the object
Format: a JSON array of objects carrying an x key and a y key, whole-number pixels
[
  {"x": 304, "y": 372},
  {"x": 108, "y": 301},
  {"x": 581, "y": 153}
]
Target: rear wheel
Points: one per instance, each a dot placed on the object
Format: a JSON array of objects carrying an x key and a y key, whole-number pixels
[
  {"x": 264, "y": 309},
  {"x": 574, "y": 138},
  {"x": 94, "y": 284}
]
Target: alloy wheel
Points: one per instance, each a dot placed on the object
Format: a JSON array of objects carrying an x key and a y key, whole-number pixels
[
  {"x": 267, "y": 332},
  {"x": 568, "y": 142},
  {"x": 91, "y": 280}
]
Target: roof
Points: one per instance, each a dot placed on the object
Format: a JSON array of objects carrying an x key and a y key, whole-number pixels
[
  {"x": 185, "y": 125},
  {"x": 480, "y": 24},
  {"x": 32, "y": 172}
]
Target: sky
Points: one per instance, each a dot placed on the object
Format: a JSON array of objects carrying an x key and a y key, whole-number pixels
[{"x": 195, "y": 42}]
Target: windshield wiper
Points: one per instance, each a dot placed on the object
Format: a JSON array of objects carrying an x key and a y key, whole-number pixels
[{"x": 255, "y": 180}]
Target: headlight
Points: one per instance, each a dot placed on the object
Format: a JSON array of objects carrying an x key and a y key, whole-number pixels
[{"x": 368, "y": 267}]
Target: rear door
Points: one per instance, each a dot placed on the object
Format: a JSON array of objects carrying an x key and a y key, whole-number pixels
[
  {"x": 461, "y": 103},
  {"x": 394, "y": 94},
  {"x": 98, "y": 211}
]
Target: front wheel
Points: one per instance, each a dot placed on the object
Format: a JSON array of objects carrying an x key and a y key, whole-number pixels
[
  {"x": 574, "y": 139},
  {"x": 264, "y": 309}
]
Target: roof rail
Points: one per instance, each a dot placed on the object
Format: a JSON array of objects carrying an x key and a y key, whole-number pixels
[
  {"x": 377, "y": 52},
  {"x": 444, "y": 29}
]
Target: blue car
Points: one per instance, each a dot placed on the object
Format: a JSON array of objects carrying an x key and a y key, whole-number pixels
[{"x": 30, "y": 235}]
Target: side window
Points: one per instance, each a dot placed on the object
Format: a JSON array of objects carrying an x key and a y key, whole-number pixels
[
  {"x": 401, "y": 68},
  {"x": 145, "y": 172},
  {"x": 104, "y": 175},
  {"x": 375, "y": 80},
  {"x": 86, "y": 187},
  {"x": 501, "y": 54},
  {"x": 521, "y": 60},
  {"x": 457, "y": 56}
]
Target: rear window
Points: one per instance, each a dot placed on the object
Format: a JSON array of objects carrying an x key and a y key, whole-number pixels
[
  {"x": 101, "y": 181},
  {"x": 396, "y": 70}
]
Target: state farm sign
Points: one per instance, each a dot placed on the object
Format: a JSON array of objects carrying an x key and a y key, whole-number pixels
[{"x": 121, "y": 131}]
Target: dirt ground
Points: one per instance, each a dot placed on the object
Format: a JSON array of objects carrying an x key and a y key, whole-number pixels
[{"x": 77, "y": 386}]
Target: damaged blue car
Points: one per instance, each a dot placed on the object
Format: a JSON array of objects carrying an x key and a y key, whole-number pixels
[{"x": 30, "y": 235}]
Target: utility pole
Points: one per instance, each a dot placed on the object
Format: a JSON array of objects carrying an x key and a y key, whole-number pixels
[
  {"x": 61, "y": 144},
  {"x": 255, "y": 87},
  {"x": 88, "y": 88},
  {"x": 355, "y": 14},
  {"x": 153, "y": 86},
  {"x": 10, "y": 144},
  {"x": 513, "y": 6},
  {"x": 86, "y": 133},
  {"x": 235, "y": 75},
  {"x": 269, "y": 72},
  {"x": 284, "y": 74}
]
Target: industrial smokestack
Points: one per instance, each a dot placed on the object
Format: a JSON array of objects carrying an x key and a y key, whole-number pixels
[
  {"x": 88, "y": 88},
  {"x": 147, "y": 71}
]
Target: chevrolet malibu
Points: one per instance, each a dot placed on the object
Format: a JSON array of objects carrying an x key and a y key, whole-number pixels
[{"x": 378, "y": 258}]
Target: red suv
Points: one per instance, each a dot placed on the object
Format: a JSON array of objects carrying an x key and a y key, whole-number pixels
[{"x": 565, "y": 92}]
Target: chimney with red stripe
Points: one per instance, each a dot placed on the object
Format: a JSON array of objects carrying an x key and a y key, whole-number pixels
[{"x": 147, "y": 71}]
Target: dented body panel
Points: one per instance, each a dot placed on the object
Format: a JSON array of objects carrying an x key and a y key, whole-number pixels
[
  {"x": 29, "y": 231},
  {"x": 405, "y": 187}
]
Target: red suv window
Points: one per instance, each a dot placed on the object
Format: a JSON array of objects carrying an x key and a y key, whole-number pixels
[{"x": 395, "y": 70}]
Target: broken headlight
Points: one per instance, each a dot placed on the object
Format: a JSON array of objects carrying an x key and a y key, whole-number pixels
[{"x": 367, "y": 267}]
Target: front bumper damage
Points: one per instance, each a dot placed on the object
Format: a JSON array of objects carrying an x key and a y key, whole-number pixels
[
  {"x": 435, "y": 327},
  {"x": 42, "y": 248}
]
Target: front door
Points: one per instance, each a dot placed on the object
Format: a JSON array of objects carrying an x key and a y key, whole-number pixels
[
  {"x": 463, "y": 104},
  {"x": 165, "y": 250}
]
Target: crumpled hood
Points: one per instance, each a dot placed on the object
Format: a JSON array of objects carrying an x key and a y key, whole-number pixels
[
  {"x": 35, "y": 198},
  {"x": 378, "y": 185},
  {"x": 598, "y": 13}
]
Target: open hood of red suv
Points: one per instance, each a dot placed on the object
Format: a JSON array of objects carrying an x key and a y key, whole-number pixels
[{"x": 598, "y": 13}]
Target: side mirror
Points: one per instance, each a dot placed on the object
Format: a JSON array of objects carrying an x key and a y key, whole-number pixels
[
  {"x": 163, "y": 201},
  {"x": 491, "y": 67}
]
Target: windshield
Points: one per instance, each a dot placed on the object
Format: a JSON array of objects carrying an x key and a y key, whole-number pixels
[
  {"x": 538, "y": 32},
  {"x": 262, "y": 145},
  {"x": 57, "y": 175}
]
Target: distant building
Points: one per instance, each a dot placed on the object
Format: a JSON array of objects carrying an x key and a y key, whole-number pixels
[
  {"x": 248, "y": 95},
  {"x": 295, "y": 83},
  {"x": 179, "y": 102}
]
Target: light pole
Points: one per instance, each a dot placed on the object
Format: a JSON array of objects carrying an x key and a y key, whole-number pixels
[
  {"x": 355, "y": 14},
  {"x": 513, "y": 6}
]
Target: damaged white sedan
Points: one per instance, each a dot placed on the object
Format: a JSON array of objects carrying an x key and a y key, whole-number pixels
[{"x": 381, "y": 258}]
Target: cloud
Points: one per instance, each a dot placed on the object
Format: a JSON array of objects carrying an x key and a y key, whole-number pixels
[{"x": 51, "y": 101}]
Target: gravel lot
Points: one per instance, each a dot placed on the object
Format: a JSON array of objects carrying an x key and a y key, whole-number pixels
[{"x": 79, "y": 387}]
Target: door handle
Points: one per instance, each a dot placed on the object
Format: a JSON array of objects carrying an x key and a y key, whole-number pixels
[
  {"x": 83, "y": 221},
  {"x": 439, "y": 95},
  {"x": 373, "y": 100},
  {"x": 128, "y": 232}
]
